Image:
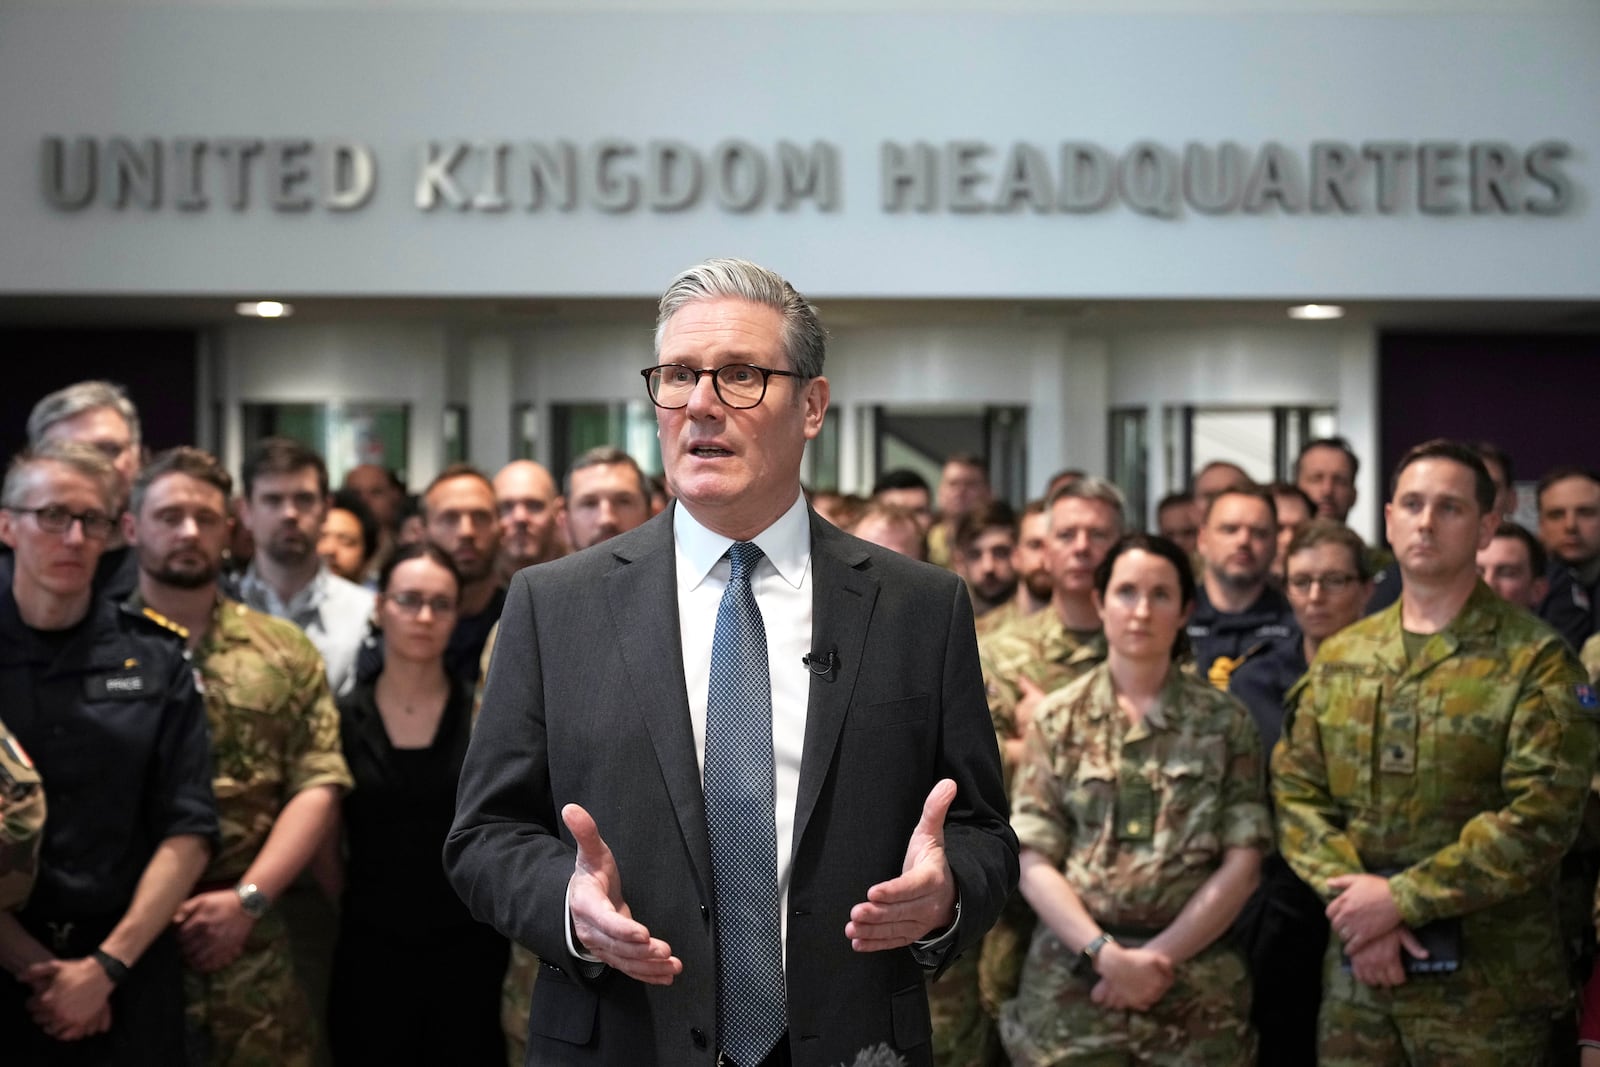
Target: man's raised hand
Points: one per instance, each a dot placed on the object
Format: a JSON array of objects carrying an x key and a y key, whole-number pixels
[{"x": 601, "y": 919}]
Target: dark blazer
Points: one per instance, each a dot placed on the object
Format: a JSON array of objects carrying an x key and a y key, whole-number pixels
[{"x": 586, "y": 703}]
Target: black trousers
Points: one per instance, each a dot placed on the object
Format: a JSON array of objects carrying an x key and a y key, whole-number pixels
[
  {"x": 1283, "y": 934},
  {"x": 146, "y": 1009},
  {"x": 415, "y": 999}
]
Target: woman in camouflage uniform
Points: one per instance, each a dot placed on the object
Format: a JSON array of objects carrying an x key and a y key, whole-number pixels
[{"x": 1140, "y": 810}]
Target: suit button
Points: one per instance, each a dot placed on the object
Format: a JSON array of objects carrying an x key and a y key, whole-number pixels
[{"x": 698, "y": 1036}]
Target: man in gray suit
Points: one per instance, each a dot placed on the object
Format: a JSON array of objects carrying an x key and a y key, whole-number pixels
[{"x": 702, "y": 892}]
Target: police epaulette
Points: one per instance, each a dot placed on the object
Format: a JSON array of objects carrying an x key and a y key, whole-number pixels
[{"x": 166, "y": 623}]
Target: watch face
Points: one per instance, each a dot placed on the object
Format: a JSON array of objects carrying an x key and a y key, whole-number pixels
[{"x": 253, "y": 900}]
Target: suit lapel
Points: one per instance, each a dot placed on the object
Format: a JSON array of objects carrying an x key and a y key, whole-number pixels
[
  {"x": 842, "y": 602},
  {"x": 643, "y": 596}
]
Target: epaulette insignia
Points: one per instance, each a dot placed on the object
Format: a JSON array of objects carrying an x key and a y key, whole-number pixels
[
  {"x": 1221, "y": 671},
  {"x": 166, "y": 623}
]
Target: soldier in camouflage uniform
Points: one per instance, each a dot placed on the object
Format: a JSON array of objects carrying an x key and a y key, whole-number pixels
[
  {"x": 1036, "y": 656},
  {"x": 1432, "y": 773},
  {"x": 21, "y": 821},
  {"x": 278, "y": 771},
  {"x": 1142, "y": 833}
]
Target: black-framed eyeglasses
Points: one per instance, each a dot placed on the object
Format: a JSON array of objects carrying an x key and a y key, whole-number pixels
[
  {"x": 58, "y": 518},
  {"x": 1331, "y": 583},
  {"x": 412, "y": 603},
  {"x": 738, "y": 385}
]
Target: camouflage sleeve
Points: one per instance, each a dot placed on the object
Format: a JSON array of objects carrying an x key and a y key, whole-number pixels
[
  {"x": 1246, "y": 822},
  {"x": 1499, "y": 854},
  {"x": 1310, "y": 824},
  {"x": 483, "y": 671},
  {"x": 1002, "y": 694},
  {"x": 314, "y": 755},
  {"x": 1038, "y": 817},
  {"x": 22, "y": 812}
]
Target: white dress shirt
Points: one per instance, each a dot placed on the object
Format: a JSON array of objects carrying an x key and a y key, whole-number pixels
[
  {"x": 783, "y": 590},
  {"x": 782, "y": 587}
]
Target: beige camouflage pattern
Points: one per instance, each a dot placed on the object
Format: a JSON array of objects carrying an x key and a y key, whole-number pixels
[
  {"x": 963, "y": 1033},
  {"x": 1197, "y": 758},
  {"x": 1353, "y": 1036},
  {"x": 516, "y": 999},
  {"x": 1591, "y": 658},
  {"x": 941, "y": 550},
  {"x": 22, "y": 813},
  {"x": 1466, "y": 770},
  {"x": 1203, "y": 1020},
  {"x": 999, "y": 617},
  {"x": 1039, "y": 648},
  {"x": 252, "y": 1013},
  {"x": 274, "y": 732}
]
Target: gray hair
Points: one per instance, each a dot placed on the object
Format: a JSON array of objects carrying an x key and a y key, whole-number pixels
[
  {"x": 78, "y": 457},
  {"x": 606, "y": 456},
  {"x": 1090, "y": 487},
  {"x": 75, "y": 400},
  {"x": 805, "y": 342}
]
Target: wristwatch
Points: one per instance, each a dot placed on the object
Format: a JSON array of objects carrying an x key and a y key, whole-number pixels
[
  {"x": 115, "y": 969},
  {"x": 252, "y": 900},
  {"x": 1091, "y": 952}
]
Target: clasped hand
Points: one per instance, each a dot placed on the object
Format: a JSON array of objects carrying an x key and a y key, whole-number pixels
[
  {"x": 1131, "y": 979},
  {"x": 896, "y": 913},
  {"x": 1367, "y": 920},
  {"x": 212, "y": 929},
  {"x": 70, "y": 998}
]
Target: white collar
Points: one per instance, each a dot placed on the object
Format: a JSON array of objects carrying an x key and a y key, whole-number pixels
[{"x": 787, "y": 543}]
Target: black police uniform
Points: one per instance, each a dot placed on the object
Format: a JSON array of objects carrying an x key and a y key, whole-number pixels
[
  {"x": 1572, "y": 606},
  {"x": 109, "y": 712},
  {"x": 1215, "y": 636},
  {"x": 1282, "y": 929},
  {"x": 1258, "y": 654}
]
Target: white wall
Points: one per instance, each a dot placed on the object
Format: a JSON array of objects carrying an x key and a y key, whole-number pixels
[{"x": 397, "y": 77}]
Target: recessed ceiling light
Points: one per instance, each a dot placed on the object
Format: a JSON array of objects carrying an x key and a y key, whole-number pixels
[
  {"x": 1316, "y": 311},
  {"x": 264, "y": 309}
]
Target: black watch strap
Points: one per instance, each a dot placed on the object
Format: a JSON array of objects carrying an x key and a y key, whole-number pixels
[
  {"x": 115, "y": 969},
  {"x": 1091, "y": 952}
]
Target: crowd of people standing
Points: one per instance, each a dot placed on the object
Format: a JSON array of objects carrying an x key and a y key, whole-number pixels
[{"x": 1281, "y": 796}]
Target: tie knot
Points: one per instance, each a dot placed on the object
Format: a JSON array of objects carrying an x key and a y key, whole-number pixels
[{"x": 743, "y": 555}]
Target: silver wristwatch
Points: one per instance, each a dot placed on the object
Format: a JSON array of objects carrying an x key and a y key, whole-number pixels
[{"x": 252, "y": 900}]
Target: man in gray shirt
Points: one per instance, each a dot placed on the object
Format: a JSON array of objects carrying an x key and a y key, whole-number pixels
[{"x": 285, "y": 501}]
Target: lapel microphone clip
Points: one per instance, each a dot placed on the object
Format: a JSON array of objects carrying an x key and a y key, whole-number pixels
[{"x": 823, "y": 665}]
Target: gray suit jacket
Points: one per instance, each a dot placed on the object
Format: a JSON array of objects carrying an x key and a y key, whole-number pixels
[{"x": 586, "y": 703}]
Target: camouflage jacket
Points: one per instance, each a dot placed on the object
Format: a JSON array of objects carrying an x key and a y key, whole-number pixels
[
  {"x": 1138, "y": 815},
  {"x": 21, "y": 821},
  {"x": 1591, "y": 658},
  {"x": 274, "y": 726},
  {"x": 1039, "y": 648},
  {"x": 1464, "y": 770}
]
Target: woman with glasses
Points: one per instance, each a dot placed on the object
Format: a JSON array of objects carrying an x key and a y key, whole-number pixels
[
  {"x": 1140, "y": 812},
  {"x": 415, "y": 979}
]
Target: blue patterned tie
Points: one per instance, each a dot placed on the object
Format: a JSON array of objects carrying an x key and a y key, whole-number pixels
[{"x": 741, "y": 797}]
